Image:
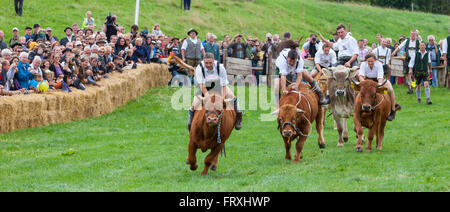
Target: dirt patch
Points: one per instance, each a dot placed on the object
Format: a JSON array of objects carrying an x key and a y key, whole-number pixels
[{"x": 26, "y": 111}]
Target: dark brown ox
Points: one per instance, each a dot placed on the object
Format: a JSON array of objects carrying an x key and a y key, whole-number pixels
[
  {"x": 215, "y": 113},
  {"x": 297, "y": 111},
  {"x": 372, "y": 107},
  {"x": 342, "y": 97}
]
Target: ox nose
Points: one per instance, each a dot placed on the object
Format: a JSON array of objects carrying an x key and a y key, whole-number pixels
[
  {"x": 340, "y": 93},
  {"x": 212, "y": 119},
  {"x": 366, "y": 107},
  {"x": 287, "y": 133}
]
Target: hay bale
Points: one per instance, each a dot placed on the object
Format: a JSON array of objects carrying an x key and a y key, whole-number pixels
[{"x": 25, "y": 111}]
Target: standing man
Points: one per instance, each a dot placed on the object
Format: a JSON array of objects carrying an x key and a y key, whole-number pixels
[
  {"x": 18, "y": 4},
  {"x": 37, "y": 33},
  {"x": 420, "y": 66},
  {"x": 435, "y": 56},
  {"x": 383, "y": 54},
  {"x": 211, "y": 75},
  {"x": 346, "y": 45},
  {"x": 192, "y": 49},
  {"x": 410, "y": 46},
  {"x": 313, "y": 45},
  {"x": 212, "y": 47},
  {"x": 2, "y": 44},
  {"x": 69, "y": 37},
  {"x": 15, "y": 37},
  {"x": 445, "y": 47}
]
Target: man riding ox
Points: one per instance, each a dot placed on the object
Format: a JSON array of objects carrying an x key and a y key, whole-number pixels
[
  {"x": 214, "y": 117},
  {"x": 342, "y": 97},
  {"x": 298, "y": 107}
]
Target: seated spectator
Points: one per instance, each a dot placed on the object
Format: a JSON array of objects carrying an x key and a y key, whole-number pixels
[
  {"x": 24, "y": 75},
  {"x": 88, "y": 20},
  {"x": 140, "y": 54},
  {"x": 7, "y": 75},
  {"x": 157, "y": 31}
]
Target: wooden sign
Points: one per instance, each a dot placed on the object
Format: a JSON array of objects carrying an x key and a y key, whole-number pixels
[
  {"x": 397, "y": 66},
  {"x": 236, "y": 66}
]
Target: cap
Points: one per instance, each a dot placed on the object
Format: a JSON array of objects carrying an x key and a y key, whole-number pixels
[
  {"x": 48, "y": 29},
  {"x": 78, "y": 43},
  {"x": 27, "y": 28},
  {"x": 15, "y": 29},
  {"x": 36, "y": 25}
]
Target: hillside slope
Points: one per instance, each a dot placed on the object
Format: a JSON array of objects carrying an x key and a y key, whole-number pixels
[{"x": 235, "y": 16}]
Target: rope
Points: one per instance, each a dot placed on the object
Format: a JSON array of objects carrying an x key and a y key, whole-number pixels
[
  {"x": 300, "y": 94},
  {"x": 378, "y": 103}
]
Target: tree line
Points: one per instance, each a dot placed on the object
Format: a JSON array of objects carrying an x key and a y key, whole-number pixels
[{"x": 432, "y": 6}]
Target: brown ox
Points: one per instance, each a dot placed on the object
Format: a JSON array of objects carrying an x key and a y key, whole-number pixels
[
  {"x": 204, "y": 133},
  {"x": 297, "y": 110},
  {"x": 372, "y": 107}
]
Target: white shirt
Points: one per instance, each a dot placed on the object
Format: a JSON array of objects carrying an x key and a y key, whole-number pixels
[
  {"x": 375, "y": 72},
  {"x": 211, "y": 75},
  {"x": 195, "y": 40},
  {"x": 325, "y": 60},
  {"x": 413, "y": 59},
  {"x": 347, "y": 46},
  {"x": 284, "y": 66},
  {"x": 307, "y": 44},
  {"x": 445, "y": 47},
  {"x": 383, "y": 52},
  {"x": 412, "y": 44}
]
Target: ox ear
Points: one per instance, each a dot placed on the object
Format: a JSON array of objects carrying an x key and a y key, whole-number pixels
[
  {"x": 353, "y": 72},
  {"x": 382, "y": 90},
  {"x": 328, "y": 72},
  {"x": 227, "y": 104}
]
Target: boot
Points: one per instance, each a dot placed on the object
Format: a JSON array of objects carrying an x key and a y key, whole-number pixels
[
  {"x": 418, "y": 101},
  {"x": 238, "y": 124},
  {"x": 410, "y": 91},
  {"x": 429, "y": 101},
  {"x": 323, "y": 100},
  {"x": 391, "y": 116},
  {"x": 191, "y": 116}
]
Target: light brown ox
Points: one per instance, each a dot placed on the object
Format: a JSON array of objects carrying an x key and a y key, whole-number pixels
[
  {"x": 372, "y": 107},
  {"x": 204, "y": 133},
  {"x": 297, "y": 110}
]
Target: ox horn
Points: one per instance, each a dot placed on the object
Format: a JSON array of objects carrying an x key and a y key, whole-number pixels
[
  {"x": 275, "y": 112},
  {"x": 384, "y": 82},
  {"x": 356, "y": 83},
  {"x": 228, "y": 100},
  {"x": 300, "y": 110}
]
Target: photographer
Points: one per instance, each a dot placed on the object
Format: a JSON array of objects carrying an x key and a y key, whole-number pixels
[
  {"x": 110, "y": 27},
  {"x": 238, "y": 47},
  {"x": 312, "y": 46}
]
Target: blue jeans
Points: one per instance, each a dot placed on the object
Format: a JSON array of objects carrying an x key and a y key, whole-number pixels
[
  {"x": 434, "y": 72},
  {"x": 256, "y": 73}
]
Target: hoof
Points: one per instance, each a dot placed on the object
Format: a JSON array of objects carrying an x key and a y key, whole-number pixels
[
  {"x": 322, "y": 146},
  {"x": 213, "y": 167},
  {"x": 380, "y": 148},
  {"x": 340, "y": 144},
  {"x": 345, "y": 139},
  {"x": 288, "y": 158},
  {"x": 368, "y": 150},
  {"x": 204, "y": 174},
  {"x": 359, "y": 149},
  {"x": 193, "y": 168}
]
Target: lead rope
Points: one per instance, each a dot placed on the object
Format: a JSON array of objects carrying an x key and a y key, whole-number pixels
[
  {"x": 219, "y": 140},
  {"x": 309, "y": 106},
  {"x": 378, "y": 103}
]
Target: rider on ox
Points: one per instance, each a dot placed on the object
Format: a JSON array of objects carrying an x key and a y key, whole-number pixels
[
  {"x": 290, "y": 67},
  {"x": 209, "y": 74},
  {"x": 372, "y": 69}
]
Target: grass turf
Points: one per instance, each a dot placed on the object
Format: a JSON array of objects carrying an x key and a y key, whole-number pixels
[{"x": 142, "y": 146}]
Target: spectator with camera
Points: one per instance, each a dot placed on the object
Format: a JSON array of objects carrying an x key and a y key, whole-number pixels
[
  {"x": 110, "y": 27},
  {"x": 312, "y": 46},
  {"x": 238, "y": 47}
]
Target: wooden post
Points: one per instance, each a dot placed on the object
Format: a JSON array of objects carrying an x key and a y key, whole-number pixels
[
  {"x": 303, "y": 11},
  {"x": 269, "y": 69},
  {"x": 349, "y": 28},
  {"x": 225, "y": 54}
]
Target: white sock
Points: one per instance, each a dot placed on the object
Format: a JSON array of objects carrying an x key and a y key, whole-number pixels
[
  {"x": 427, "y": 92},
  {"x": 418, "y": 93}
]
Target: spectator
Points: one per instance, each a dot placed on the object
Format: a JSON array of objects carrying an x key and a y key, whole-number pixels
[
  {"x": 6, "y": 54},
  {"x": 15, "y": 37},
  {"x": 157, "y": 30},
  {"x": 18, "y": 5},
  {"x": 37, "y": 33},
  {"x": 379, "y": 39},
  {"x": 435, "y": 56},
  {"x": 110, "y": 27},
  {"x": 7, "y": 74},
  {"x": 312, "y": 46},
  {"x": 212, "y": 47},
  {"x": 238, "y": 48},
  {"x": 49, "y": 37},
  {"x": 410, "y": 46},
  {"x": 36, "y": 66},
  {"x": 363, "y": 51},
  {"x": 140, "y": 54},
  {"x": 88, "y": 20},
  {"x": 69, "y": 37},
  {"x": 2, "y": 44},
  {"x": 24, "y": 75},
  {"x": 224, "y": 46},
  {"x": 192, "y": 49},
  {"x": 27, "y": 33},
  {"x": 134, "y": 30}
]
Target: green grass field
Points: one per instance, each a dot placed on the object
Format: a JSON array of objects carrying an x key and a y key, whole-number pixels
[
  {"x": 237, "y": 16},
  {"x": 142, "y": 146}
]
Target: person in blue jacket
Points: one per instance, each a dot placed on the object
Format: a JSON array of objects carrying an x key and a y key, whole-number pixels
[
  {"x": 24, "y": 75},
  {"x": 140, "y": 54}
]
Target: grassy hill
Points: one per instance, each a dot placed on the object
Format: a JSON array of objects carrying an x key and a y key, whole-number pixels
[{"x": 235, "y": 16}]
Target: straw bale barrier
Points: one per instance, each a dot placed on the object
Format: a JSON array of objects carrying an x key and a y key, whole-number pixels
[{"x": 33, "y": 110}]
